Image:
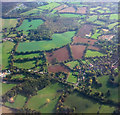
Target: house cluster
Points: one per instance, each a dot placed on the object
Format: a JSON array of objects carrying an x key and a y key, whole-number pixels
[{"x": 3, "y": 74}]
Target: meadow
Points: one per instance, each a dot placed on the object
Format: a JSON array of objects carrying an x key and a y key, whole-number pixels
[
  {"x": 110, "y": 26},
  {"x": 96, "y": 34},
  {"x": 92, "y": 18},
  {"x": 71, "y": 78},
  {"x": 114, "y": 17},
  {"x": 99, "y": 23},
  {"x": 72, "y": 15},
  {"x": 46, "y": 99},
  {"x": 58, "y": 40},
  {"x": 72, "y": 64},
  {"x": 17, "y": 76}
]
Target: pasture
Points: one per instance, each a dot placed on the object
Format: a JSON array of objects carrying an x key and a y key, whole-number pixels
[
  {"x": 17, "y": 76},
  {"x": 58, "y": 40},
  {"x": 71, "y": 78},
  {"x": 114, "y": 17},
  {"x": 72, "y": 64},
  {"x": 112, "y": 25},
  {"x": 96, "y": 34},
  {"x": 92, "y": 18},
  {"x": 72, "y": 15}
]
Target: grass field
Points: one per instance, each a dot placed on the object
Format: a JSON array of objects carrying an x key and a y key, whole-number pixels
[
  {"x": 72, "y": 64},
  {"x": 105, "y": 87},
  {"x": 17, "y": 76},
  {"x": 58, "y": 40},
  {"x": 25, "y": 65},
  {"x": 101, "y": 11},
  {"x": 40, "y": 101},
  {"x": 72, "y": 15},
  {"x": 26, "y": 56},
  {"x": 99, "y": 22},
  {"x": 92, "y": 18},
  {"x": 84, "y": 105},
  {"x": 91, "y": 53},
  {"x": 110, "y": 26},
  {"x": 96, "y": 34},
  {"x": 8, "y": 23},
  {"x": 19, "y": 102},
  {"x": 71, "y": 78},
  {"x": 28, "y": 25},
  {"x": 6, "y": 49},
  {"x": 6, "y": 87},
  {"x": 114, "y": 17}
]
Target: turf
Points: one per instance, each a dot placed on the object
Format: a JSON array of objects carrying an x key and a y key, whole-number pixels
[
  {"x": 6, "y": 49},
  {"x": 71, "y": 78},
  {"x": 6, "y": 87},
  {"x": 72, "y": 64},
  {"x": 58, "y": 40},
  {"x": 39, "y": 102},
  {"x": 19, "y": 102},
  {"x": 91, "y": 53}
]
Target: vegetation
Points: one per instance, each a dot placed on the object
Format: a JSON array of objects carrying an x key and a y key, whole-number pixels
[
  {"x": 72, "y": 64},
  {"x": 71, "y": 78}
]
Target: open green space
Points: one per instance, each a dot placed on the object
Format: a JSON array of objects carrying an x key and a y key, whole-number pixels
[
  {"x": 113, "y": 91},
  {"x": 114, "y": 17},
  {"x": 95, "y": 8},
  {"x": 25, "y": 65},
  {"x": 72, "y": 64},
  {"x": 99, "y": 22},
  {"x": 28, "y": 25},
  {"x": 96, "y": 34},
  {"x": 19, "y": 102},
  {"x": 91, "y": 53},
  {"x": 71, "y": 78},
  {"x": 84, "y": 105},
  {"x": 58, "y": 40},
  {"x": 101, "y": 11},
  {"x": 72, "y": 15},
  {"x": 8, "y": 23},
  {"x": 6, "y": 49},
  {"x": 46, "y": 99},
  {"x": 110, "y": 26},
  {"x": 92, "y": 18},
  {"x": 27, "y": 56},
  {"x": 6, "y": 87},
  {"x": 17, "y": 76}
]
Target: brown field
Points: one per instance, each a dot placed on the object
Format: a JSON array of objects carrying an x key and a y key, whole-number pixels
[
  {"x": 93, "y": 48},
  {"x": 77, "y": 51},
  {"x": 107, "y": 37},
  {"x": 59, "y": 55},
  {"x": 57, "y": 68},
  {"x": 61, "y": 7},
  {"x": 83, "y": 40},
  {"x": 85, "y": 29},
  {"x": 67, "y": 10},
  {"x": 81, "y": 10}
]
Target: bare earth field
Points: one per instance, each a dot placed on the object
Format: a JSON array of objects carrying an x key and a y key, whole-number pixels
[
  {"x": 81, "y": 10},
  {"x": 61, "y": 7},
  {"x": 67, "y": 10}
]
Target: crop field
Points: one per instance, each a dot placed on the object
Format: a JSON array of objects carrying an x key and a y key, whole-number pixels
[
  {"x": 6, "y": 49},
  {"x": 46, "y": 99},
  {"x": 25, "y": 65},
  {"x": 113, "y": 91},
  {"x": 59, "y": 55},
  {"x": 17, "y": 76},
  {"x": 93, "y": 48},
  {"x": 83, "y": 40},
  {"x": 58, "y": 40},
  {"x": 8, "y": 23},
  {"x": 72, "y": 64},
  {"x": 71, "y": 78},
  {"x": 114, "y": 17},
  {"x": 78, "y": 51},
  {"x": 96, "y": 34},
  {"x": 72, "y": 15},
  {"x": 110, "y": 26},
  {"x": 84, "y": 105},
  {"x": 27, "y": 56},
  {"x": 61, "y": 7},
  {"x": 91, "y": 53},
  {"x": 92, "y": 18},
  {"x": 81, "y": 10},
  {"x": 67, "y": 10},
  {"x": 86, "y": 29},
  {"x": 57, "y": 68},
  {"x": 6, "y": 87},
  {"x": 28, "y": 25},
  {"x": 19, "y": 102}
]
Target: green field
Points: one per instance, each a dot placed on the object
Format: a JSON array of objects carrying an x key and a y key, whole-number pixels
[
  {"x": 114, "y": 16},
  {"x": 99, "y": 22},
  {"x": 6, "y": 49},
  {"x": 25, "y": 65},
  {"x": 72, "y": 15},
  {"x": 8, "y": 23},
  {"x": 105, "y": 87},
  {"x": 101, "y": 11},
  {"x": 26, "y": 56},
  {"x": 6, "y": 87},
  {"x": 72, "y": 64},
  {"x": 96, "y": 34},
  {"x": 58, "y": 40},
  {"x": 71, "y": 78},
  {"x": 110, "y": 26},
  {"x": 28, "y": 25},
  {"x": 17, "y": 76},
  {"x": 19, "y": 102},
  {"x": 92, "y": 18},
  {"x": 40, "y": 101},
  {"x": 91, "y": 53}
]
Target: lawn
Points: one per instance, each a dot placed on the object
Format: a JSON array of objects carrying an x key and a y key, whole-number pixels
[
  {"x": 8, "y": 23},
  {"x": 96, "y": 34},
  {"x": 71, "y": 78},
  {"x": 72, "y": 15},
  {"x": 6, "y": 49},
  {"x": 72, "y": 64},
  {"x": 25, "y": 65},
  {"x": 28, "y": 25},
  {"x": 58, "y": 40},
  {"x": 105, "y": 87},
  {"x": 91, "y": 53},
  {"x": 26, "y": 56},
  {"x": 114, "y": 17},
  {"x": 110, "y": 26},
  {"x": 46, "y": 99},
  {"x": 6, "y": 87},
  {"x": 19, "y": 102},
  {"x": 92, "y": 18},
  {"x": 17, "y": 76},
  {"x": 84, "y": 105}
]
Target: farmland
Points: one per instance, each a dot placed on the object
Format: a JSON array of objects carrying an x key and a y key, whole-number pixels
[
  {"x": 67, "y": 10},
  {"x": 18, "y": 76},
  {"x": 72, "y": 64},
  {"x": 71, "y": 78},
  {"x": 92, "y": 18},
  {"x": 58, "y": 40},
  {"x": 72, "y": 15}
]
